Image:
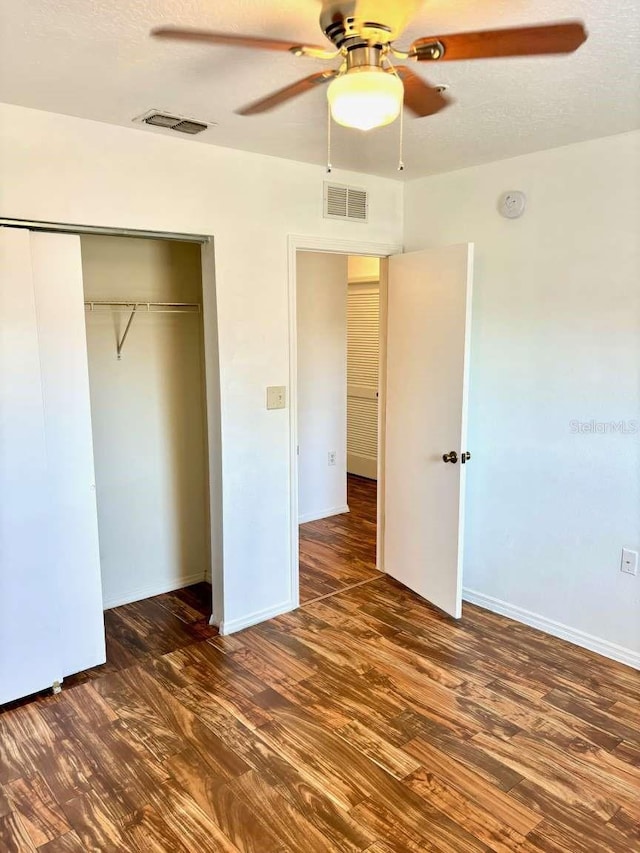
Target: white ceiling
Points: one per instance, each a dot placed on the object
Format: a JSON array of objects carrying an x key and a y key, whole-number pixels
[{"x": 94, "y": 59}]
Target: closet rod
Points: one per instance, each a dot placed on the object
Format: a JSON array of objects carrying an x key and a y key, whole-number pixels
[
  {"x": 157, "y": 307},
  {"x": 135, "y": 307}
]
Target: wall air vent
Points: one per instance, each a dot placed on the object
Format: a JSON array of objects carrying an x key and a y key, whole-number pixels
[
  {"x": 177, "y": 123},
  {"x": 342, "y": 202}
]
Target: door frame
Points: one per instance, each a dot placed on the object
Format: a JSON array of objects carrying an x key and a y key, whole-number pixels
[
  {"x": 300, "y": 243},
  {"x": 211, "y": 370}
]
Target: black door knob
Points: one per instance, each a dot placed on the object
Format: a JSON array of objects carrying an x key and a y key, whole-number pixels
[{"x": 452, "y": 456}]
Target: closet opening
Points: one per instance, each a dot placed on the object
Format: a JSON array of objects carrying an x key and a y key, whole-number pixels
[
  {"x": 338, "y": 333},
  {"x": 151, "y": 436}
]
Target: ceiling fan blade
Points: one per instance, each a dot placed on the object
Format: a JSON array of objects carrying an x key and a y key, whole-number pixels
[
  {"x": 394, "y": 14},
  {"x": 288, "y": 92},
  {"x": 209, "y": 37},
  {"x": 563, "y": 37},
  {"x": 419, "y": 97}
]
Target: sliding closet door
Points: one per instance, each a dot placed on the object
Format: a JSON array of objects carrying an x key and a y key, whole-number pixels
[
  {"x": 59, "y": 299},
  {"x": 29, "y": 640}
]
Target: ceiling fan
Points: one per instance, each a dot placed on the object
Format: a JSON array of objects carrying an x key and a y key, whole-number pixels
[{"x": 367, "y": 90}]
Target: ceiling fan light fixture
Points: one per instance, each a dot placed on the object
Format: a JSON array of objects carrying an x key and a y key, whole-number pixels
[{"x": 365, "y": 98}]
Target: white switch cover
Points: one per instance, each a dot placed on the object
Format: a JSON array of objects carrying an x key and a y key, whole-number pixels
[
  {"x": 276, "y": 397},
  {"x": 629, "y": 564}
]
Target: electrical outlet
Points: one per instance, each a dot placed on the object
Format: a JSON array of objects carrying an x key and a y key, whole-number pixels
[
  {"x": 629, "y": 563},
  {"x": 331, "y": 457}
]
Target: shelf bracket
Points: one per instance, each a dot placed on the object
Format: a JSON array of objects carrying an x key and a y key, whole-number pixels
[{"x": 120, "y": 343}]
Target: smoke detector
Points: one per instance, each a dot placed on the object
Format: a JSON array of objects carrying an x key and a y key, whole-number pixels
[{"x": 181, "y": 124}]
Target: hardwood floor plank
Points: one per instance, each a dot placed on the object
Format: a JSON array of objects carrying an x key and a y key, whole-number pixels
[
  {"x": 283, "y": 820},
  {"x": 5, "y": 805},
  {"x": 482, "y": 762},
  {"x": 40, "y": 815},
  {"x": 509, "y": 811},
  {"x": 392, "y": 759},
  {"x": 185, "y": 818},
  {"x": 147, "y": 831},
  {"x": 94, "y": 824},
  {"x": 475, "y": 819},
  {"x": 566, "y": 784},
  {"x": 14, "y": 837},
  {"x": 68, "y": 843},
  {"x": 233, "y": 816}
]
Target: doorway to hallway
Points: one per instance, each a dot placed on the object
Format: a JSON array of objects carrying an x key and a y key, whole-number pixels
[
  {"x": 339, "y": 552},
  {"x": 338, "y": 355}
]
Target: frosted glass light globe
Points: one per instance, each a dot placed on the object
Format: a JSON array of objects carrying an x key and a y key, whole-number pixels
[{"x": 365, "y": 98}]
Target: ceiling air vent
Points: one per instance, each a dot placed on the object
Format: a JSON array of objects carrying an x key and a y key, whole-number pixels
[
  {"x": 177, "y": 123},
  {"x": 342, "y": 202}
]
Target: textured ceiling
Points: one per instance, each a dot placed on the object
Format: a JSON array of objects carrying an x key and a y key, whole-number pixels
[{"x": 95, "y": 60}]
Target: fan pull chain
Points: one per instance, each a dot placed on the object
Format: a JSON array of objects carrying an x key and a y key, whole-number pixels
[
  {"x": 401, "y": 141},
  {"x": 329, "y": 166}
]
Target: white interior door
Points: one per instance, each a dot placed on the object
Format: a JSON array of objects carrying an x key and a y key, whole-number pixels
[{"x": 428, "y": 327}]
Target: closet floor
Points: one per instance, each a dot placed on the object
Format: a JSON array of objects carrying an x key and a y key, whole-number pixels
[
  {"x": 340, "y": 551},
  {"x": 153, "y": 627}
]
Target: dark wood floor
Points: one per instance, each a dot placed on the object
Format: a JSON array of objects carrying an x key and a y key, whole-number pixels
[
  {"x": 363, "y": 721},
  {"x": 340, "y": 551}
]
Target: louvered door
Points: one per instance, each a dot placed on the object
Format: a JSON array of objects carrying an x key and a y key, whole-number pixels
[{"x": 363, "y": 331}]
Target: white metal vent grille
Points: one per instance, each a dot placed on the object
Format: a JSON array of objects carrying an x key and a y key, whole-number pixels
[
  {"x": 343, "y": 202},
  {"x": 180, "y": 124}
]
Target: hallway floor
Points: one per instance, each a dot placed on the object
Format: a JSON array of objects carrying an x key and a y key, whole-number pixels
[{"x": 340, "y": 551}]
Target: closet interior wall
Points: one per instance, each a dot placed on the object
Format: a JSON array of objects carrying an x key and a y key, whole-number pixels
[{"x": 148, "y": 417}]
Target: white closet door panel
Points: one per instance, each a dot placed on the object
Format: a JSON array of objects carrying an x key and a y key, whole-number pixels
[
  {"x": 29, "y": 643},
  {"x": 57, "y": 278}
]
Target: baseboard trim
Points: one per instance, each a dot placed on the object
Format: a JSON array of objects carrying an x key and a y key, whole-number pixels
[
  {"x": 324, "y": 513},
  {"x": 233, "y": 625},
  {"x": 556, "y": 629},
  {"x": 362, "y": 466},
  {"x": 153, "y": 589}
]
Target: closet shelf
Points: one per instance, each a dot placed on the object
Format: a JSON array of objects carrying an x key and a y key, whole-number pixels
[
  {"x": 134, "y": 307},
  {"x": 160, "y": 307}
]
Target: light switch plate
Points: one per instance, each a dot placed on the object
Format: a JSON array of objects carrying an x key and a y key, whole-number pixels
[{"x": 276, "y": 396}]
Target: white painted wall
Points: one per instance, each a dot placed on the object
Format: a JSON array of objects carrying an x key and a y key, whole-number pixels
[
  {"x": 556, "y": 339},
  {"x": 363, "y": 268},
  {"x": 321, "y": 304},
  {"x": 58, "y": 168},
  {"x": 148, "y": 418}
]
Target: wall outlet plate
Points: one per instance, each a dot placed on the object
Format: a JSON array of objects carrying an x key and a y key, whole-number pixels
[{"x": 629, "y": 562}]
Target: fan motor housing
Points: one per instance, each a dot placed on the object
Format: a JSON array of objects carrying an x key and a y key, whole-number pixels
[
  {"x": 340, "y": 26},
  {"x": 360, "y": 56}
]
